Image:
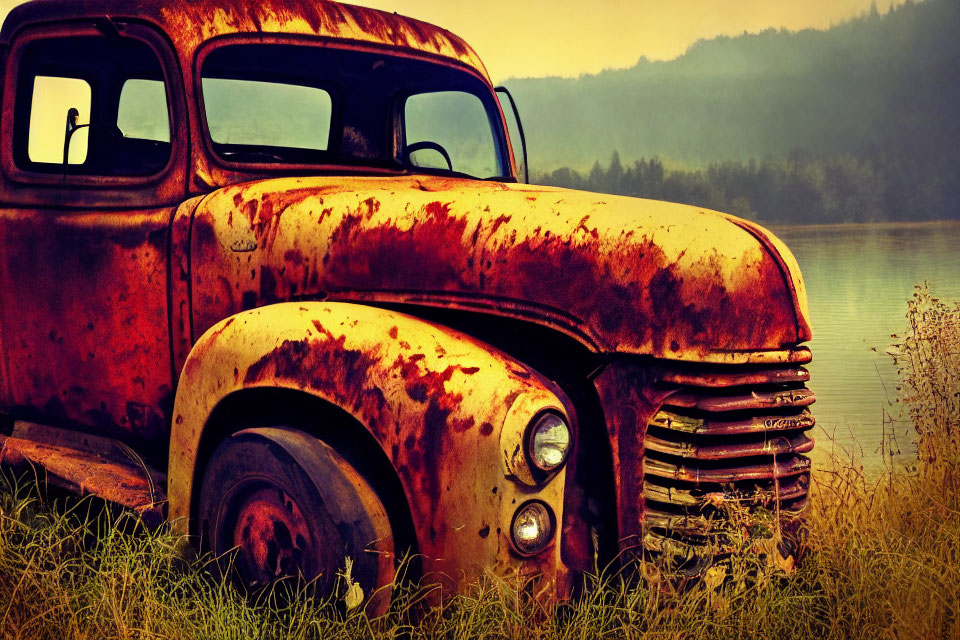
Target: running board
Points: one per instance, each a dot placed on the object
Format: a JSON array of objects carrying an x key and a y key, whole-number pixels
[{"x": 88, "y": 464}]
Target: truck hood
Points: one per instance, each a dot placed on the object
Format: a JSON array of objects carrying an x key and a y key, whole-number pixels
[{"x": 620, "y": 274}]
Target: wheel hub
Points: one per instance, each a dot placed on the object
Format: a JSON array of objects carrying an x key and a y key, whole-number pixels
[{"x": 273, "y": 537}]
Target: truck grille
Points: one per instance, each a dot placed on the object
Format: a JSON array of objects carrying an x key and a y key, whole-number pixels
[{"x": 726, "y": 438}]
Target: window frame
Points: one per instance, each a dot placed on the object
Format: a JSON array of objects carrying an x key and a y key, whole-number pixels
[
  {"x": 162, "y": 187},
  {"x": 233, "y": 166},
  {"x": 229, "y": 171}
]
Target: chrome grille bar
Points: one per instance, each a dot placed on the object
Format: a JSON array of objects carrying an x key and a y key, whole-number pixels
[{"x": 724, "y": 435}]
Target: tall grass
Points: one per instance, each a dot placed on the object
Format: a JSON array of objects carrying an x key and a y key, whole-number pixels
[{"x": 882, "y": 561}]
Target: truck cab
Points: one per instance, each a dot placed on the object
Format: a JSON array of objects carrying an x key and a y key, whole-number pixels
[{"x": 267, "y": 271}]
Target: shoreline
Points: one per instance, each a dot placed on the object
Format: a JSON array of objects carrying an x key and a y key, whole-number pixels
[{"x": 846, "y": 226}]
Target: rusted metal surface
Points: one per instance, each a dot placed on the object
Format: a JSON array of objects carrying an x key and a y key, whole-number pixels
[
  {"x": 766, "y": 445},
  {"x": 86, "y": 463},
  {"x": 191, "y": 23},
  {"x": 620, "y": 274},
  {"x": 684, "y": 442},
  {"x": 84, "y": 318},
  {"x": 789, "y": 488},
  {"x": 752, "y": 400},
  {"x": 273, "y": 536},
  {"x": 704, "y": 376},
  {"x": 107, "y": 284},
  {"x": 630, "y": 399},
  {"x": 437, "y": 402},
  {"x": 790, "y": 270},
  {"x": 753, "y": 424}
]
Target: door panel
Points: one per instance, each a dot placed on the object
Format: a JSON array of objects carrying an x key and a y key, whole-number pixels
[
  {"x": 84, "y": 243},
  {"x": 84, "y": 317}
]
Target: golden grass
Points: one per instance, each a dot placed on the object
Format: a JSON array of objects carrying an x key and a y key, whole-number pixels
[{"x": 882, "y": 561}]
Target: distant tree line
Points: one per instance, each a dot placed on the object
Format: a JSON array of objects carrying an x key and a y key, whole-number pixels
[
  {"x": 801, "y": 188},
  {"x": 873, "y": 103}
]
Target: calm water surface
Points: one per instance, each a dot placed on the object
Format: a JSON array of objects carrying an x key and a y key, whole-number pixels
[{"x": 859, "y": 278}]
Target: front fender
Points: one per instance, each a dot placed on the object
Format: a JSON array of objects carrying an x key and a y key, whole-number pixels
[{"x": 441, "y": 405}]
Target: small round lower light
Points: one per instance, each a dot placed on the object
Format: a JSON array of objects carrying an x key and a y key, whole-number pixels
[
  {"x": 549, "y": 441},
  {"x": 532, "y": 528}
]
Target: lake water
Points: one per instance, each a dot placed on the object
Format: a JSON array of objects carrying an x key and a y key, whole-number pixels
[{"x": 859, "y": 278}]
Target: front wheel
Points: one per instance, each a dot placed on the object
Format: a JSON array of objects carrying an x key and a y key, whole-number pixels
[{"x": 293, "y": 507}]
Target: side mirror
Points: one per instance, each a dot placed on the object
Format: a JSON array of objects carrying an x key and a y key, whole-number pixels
[
  {"x": 523, "y": 140},
  {"x": 72, "y": 116}
]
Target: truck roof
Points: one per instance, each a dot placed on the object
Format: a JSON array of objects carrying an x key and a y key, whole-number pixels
[{"x": 189, "y": 23}]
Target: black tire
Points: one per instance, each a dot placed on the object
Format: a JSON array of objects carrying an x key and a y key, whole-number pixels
[{"x": 292, "y": 506}]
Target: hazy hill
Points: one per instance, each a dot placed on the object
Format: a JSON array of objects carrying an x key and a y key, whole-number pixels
[{"x": 890, "y": 80}]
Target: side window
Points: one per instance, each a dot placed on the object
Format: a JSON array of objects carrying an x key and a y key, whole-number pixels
[
  {"x": 116, "y": 87},
  {"x": 450, "y": 130}
]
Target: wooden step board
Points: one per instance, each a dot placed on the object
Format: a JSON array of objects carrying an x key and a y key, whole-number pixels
[{"x": 88, "y": 464}]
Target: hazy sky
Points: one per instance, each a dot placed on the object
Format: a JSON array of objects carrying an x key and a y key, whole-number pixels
[{"x": 570, "y": 37}]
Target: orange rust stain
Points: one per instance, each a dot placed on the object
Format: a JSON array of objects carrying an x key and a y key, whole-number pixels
[
  {"x": 264, "y": 214},
  {"x": 629, "y": 290},
  {"x": 430, "y": 253},
  {"x": 373, "y": 206},
  {"x": 622, "y": 290},
  {"x": 293, "y": 256},
  {"x": 425, "y": 385},
  {"x": 216, "y": 334}
]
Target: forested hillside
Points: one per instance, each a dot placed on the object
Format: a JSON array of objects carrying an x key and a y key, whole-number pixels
[{"x": 857, "y": 123}]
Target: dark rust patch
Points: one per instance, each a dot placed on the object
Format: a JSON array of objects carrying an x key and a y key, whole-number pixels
[
  {"x": 327, "y": 366},
  {"x": 625, "y": 288},
  {"x": 426, "y": 254}
]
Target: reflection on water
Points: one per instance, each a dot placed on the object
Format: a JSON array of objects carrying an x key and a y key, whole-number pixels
[{"x": 859, "y": 278}]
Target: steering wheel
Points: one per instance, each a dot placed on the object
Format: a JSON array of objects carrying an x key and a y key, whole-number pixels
[{"x": 426, "y": 144}]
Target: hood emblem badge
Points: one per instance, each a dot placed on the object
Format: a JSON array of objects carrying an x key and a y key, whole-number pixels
[{"x": 241, "y": 246}]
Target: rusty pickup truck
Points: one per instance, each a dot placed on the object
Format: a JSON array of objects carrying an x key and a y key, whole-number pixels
[{"x": 267, "y": 271}]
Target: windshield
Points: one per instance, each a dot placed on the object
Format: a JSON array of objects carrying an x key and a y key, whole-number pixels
[{"x": 284, "y": 104}]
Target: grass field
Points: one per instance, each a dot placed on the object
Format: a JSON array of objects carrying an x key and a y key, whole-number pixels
[{"x": 882, "y": 561}]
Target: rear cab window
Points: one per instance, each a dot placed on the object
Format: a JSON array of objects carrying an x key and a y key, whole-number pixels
[{"x": 248, "y": 118}]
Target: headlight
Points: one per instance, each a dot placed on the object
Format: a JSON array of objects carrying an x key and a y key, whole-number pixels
[
  {"x": 532, "y": 528},
  {"x": 549, "y": 441}
]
